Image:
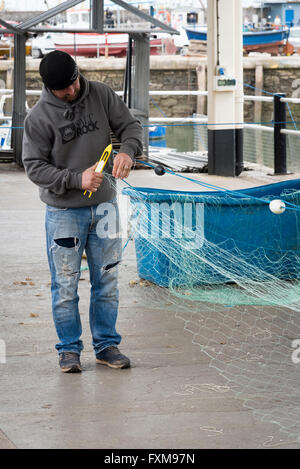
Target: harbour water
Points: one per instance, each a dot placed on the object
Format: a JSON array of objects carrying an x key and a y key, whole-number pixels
[{"x": 258, "y": 143}]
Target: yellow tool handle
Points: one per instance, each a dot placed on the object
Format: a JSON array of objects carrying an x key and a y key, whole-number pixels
[{"x": 102, "y": 162}]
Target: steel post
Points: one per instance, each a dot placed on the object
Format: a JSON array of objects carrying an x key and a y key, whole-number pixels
[
  {"x": 18, "y": 114},
  {"x": 280, "y": 165}
]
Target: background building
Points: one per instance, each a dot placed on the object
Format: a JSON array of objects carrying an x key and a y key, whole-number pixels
[{"x": 288, "y": 12}]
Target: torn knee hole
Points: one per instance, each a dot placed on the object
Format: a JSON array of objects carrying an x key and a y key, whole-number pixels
[
  {"x": 68, "y": 272},
  {"x": 67, "y": 242},
  {"x": 110, "y": 266}
]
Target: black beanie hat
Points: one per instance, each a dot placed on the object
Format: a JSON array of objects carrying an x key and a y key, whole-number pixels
[{"x": 58, "y": 70}]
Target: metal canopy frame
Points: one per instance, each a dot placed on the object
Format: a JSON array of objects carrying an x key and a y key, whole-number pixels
[
  {"x": 141, "y": 67},
  {"x": 10, "y": 27}
]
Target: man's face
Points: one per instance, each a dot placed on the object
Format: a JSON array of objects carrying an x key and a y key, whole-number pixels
[{"x": 70, "y": 93}]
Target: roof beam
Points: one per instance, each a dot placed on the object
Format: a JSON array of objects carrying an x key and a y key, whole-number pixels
[
  {"x": 97, "y": 14},
  {"x": 29, "y": 24},
  {"x": 11, "y": 28},
  {"x": 26, "y": 25},
  {"x": 145, "y": 16}
]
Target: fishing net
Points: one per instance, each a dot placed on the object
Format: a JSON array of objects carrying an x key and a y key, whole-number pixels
[{"x": 229, "y": 268}]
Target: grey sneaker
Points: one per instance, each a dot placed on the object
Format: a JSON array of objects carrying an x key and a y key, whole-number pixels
[
  {"x": 69, "y": 362},
  {"x": 112, "y": 357}
]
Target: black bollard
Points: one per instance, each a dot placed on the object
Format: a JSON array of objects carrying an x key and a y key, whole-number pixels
[{"x": 280, "y": 166}]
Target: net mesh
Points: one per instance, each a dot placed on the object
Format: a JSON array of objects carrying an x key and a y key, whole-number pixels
[{"x": 229, "y": 268}]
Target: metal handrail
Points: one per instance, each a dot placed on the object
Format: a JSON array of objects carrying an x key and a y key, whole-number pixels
[
  {"x": 290, "y": 100},
  {"x": 188, "y": 119},
  {"x": 247, "y": 97},
  {"x": 290, "y": 132},
  {"x": 266, "y": 99}
]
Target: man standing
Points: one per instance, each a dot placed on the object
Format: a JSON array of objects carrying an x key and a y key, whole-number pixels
[{"x": 64, "y": 136}]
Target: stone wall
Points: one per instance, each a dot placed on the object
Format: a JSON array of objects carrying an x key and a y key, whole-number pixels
[
  {"x": 167, "y": 73},
  {"x": 272, "y": 74}
]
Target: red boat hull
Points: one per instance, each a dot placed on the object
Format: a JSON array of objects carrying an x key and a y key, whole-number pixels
[
  {"x": 96, "y": 50},
  {"x": 273, "y": 48}
]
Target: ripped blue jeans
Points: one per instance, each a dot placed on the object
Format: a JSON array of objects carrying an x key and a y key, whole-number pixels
[{"x": 69, "y": 232}]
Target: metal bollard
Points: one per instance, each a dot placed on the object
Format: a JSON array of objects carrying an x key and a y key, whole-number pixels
[{"x": 280, "y": 165}]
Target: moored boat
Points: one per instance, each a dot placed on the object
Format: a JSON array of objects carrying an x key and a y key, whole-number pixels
[
  {"x": 253, "y": 41},
  {"x": 94, "y": 45}
]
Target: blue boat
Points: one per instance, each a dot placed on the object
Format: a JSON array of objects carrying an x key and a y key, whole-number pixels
[
  {"x": 157, "y": 136},
  {"x": 258, "y": 41},
  {"x": 5, "y": 135},
  {"x": 157, "y": 131}
]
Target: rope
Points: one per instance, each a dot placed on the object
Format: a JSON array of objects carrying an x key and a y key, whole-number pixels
[
  {"x": 212, "y": 186},
  {"x": 190, "y": 124}
]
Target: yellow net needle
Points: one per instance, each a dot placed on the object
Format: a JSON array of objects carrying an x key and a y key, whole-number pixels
[{"x": 102, "y": 162}]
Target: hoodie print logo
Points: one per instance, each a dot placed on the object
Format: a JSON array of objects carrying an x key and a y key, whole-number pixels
[{"x": 76, "y": 129}]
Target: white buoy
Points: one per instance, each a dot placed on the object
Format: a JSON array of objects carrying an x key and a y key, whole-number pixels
[{"x": 277, "y": 206}]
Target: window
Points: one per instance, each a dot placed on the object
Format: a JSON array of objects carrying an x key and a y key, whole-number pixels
[
  {"x": 85, "y": 17},
  {"x": 74, "y": 18},
  {"x": 295, "y": 33}
]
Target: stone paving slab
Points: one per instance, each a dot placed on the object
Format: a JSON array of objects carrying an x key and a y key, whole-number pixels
[{"x": 170, "y": 398}]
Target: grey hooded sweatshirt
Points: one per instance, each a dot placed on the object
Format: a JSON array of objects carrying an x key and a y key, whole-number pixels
[{"x": 61, "y": 140}]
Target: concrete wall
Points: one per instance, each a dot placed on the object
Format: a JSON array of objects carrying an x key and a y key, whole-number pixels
[{"x": 272, "y": 74}]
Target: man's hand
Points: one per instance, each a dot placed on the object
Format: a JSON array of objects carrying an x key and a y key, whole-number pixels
[
  {"x": 122, "y": 166},
  {"x": 91, "y": 180}
]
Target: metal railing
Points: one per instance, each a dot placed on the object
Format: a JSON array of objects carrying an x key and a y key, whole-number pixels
[
  {"x": 265, "y": 140},
  {"x": 268, "y": 139}
]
